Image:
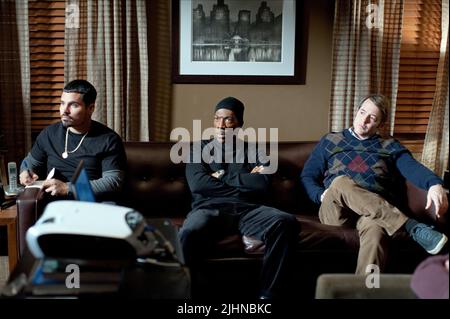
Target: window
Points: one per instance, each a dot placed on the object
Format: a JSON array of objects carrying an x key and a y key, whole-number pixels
[
  {"x": 419, "y": 58},
  {"x": 46, "y": 25}
]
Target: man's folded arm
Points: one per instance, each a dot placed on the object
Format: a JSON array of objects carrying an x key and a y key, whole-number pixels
[
  {"x": 201, "y": 182},
  {"x": 249, "y": 182}
]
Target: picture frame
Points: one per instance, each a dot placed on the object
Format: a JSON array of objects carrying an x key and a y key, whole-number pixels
[{"x": 238, "y": 42}]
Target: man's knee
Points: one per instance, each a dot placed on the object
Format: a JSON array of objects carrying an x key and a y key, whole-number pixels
[
  {"x": 287, "y": 222},
  {"x": 286, "y": 218},
  {"x": 184, "y": 233},
  {"x": 195, "y": 222},
  {"x": 200, "y": 218},
  {"x": 330, "y": 213}
]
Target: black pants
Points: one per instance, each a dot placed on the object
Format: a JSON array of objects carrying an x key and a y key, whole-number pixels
[{"x": 277, "y": 229}]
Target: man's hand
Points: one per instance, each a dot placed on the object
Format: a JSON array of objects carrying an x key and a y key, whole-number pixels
[
  {"x": 437, "y": 196},
  {"x": 27, "y": 177},
  {"x": 257, "y": 169},
  {"x": 55, "y": 187}
]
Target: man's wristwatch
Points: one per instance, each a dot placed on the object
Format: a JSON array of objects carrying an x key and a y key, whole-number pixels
[{"x": 220, "y": 173}]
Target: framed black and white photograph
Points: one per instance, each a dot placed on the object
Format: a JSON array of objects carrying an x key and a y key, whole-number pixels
[{"x": 235, "y": 41}]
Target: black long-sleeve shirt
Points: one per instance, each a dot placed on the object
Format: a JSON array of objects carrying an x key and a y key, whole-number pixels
[
  {"x": 102, "y": 152},
  {"x": 237, "y": 185}
]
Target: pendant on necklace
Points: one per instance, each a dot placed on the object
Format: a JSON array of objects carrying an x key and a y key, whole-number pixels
[{"x": 64, "y": 155}]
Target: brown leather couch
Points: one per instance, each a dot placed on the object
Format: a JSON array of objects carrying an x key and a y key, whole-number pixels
[{"x": 157, "y": 187}]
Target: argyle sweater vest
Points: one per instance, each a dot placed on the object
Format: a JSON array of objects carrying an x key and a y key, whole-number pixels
[
  {"x": 370, "y": 163},
  {"x": 376, "y": 164}
]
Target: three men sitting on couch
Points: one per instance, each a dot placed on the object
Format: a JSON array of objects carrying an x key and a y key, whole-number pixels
[{"x": 352, "y": 174}]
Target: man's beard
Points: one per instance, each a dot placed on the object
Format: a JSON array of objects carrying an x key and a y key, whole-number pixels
[
  {"x": 66, "y": 124},
  {"x": 226, "y": 135}
]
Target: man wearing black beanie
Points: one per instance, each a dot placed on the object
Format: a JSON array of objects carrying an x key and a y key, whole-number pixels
[
  {"x": 227, "y": 196},
  {"x": 232, "y": 104}
]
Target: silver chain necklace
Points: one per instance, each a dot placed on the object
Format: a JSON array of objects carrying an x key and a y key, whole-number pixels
[{"x": 66, "y": 153}]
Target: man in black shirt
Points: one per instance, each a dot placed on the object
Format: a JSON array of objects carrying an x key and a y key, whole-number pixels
[
  {"x": 226, "y": 199},
  {"x": 77, "y": 137}
]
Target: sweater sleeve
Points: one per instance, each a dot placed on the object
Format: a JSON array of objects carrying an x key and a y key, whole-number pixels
[
  {"x": 38, "y": 151},
  {"x": 36, "y": 160},
  {"x": 313, "y": 173},
  {"x": 111, "y": 181},
  {"x": 415, "y": 172},
  {"x": 248, "y": 182},
  {"x": 29, "y": 162},
  {"x": 201, "y": 182}
]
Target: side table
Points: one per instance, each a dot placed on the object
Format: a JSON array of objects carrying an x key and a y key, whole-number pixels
[{"x": 8, "y": 218}]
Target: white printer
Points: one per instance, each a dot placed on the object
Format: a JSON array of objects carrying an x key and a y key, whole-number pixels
[{"x": 88, "y": 230}]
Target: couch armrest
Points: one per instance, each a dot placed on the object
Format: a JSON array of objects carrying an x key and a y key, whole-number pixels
[{"x": 30, "y": 204}]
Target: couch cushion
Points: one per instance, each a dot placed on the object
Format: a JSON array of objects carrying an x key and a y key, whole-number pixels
[
  {"x": 154, "y": 185},
  {"x": 313, "y": 237},
  {"x": 286, "y": 192}
]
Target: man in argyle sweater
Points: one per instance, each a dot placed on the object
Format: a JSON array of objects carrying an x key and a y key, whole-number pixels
[{"x": 354, "y": 174}]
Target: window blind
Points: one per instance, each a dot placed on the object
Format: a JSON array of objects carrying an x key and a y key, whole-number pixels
[
  {"x": 46, "y": 25},
  {"x": 419, "y": 58}
]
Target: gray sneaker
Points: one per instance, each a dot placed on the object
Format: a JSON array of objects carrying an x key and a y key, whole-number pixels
[{"x": 431, "y": 240}]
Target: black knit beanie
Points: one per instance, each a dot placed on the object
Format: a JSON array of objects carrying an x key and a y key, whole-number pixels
[{"x": 232, "y": 104}]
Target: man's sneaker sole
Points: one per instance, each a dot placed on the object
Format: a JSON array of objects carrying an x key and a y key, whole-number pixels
[{"x": 439, "y": 246}]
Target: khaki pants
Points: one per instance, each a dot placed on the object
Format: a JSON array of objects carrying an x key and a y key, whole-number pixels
[{"x": 375, "y": 217}]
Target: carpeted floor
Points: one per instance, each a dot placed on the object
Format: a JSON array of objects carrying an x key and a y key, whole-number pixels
[{"x": 4, "y": 270}]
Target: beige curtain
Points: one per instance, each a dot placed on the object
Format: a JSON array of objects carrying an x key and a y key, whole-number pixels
[
  {"x": 15, "y": 109},
  {"x": 435, "y": 150},
  {"x": 106, "y": 42},
  {"x": 366, "y": 56}
]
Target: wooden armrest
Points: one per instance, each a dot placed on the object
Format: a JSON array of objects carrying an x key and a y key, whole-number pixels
[{"x": 30, "y": 204}]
